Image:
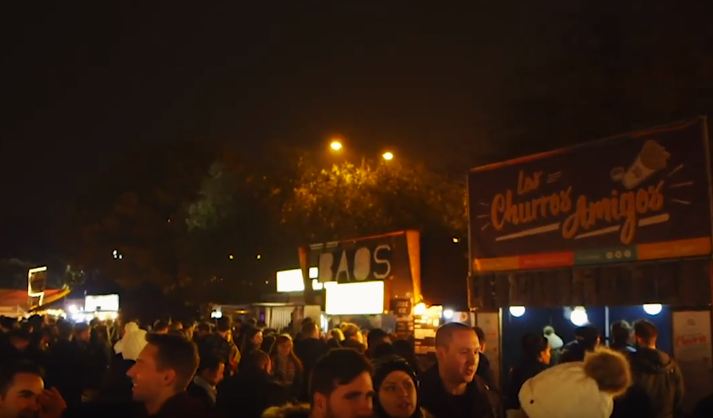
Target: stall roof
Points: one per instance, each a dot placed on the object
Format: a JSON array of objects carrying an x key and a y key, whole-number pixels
[
  {"x": 681, "y": 283},
  {"x": 14, "y": 298}
]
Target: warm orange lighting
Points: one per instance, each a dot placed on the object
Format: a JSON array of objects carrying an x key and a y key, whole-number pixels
[
  {"x": 336, "y": 145},
  {"x": 387, "y": 156}
]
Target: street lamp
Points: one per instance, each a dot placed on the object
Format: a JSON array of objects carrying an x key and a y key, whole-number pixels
[
  {"x": 387, "y": 156},
  {"x": 336, "y": 145}
]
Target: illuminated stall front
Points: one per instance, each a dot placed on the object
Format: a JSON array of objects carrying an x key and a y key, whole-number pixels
[
  {"x": 614, "y": 229},
  {"x": 363, "y": 279}
]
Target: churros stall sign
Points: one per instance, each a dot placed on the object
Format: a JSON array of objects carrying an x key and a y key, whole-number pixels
[{"x": 639, "y": 196}]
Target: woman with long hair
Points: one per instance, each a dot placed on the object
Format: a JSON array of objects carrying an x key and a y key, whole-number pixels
[{"x": 287, "y": 368}]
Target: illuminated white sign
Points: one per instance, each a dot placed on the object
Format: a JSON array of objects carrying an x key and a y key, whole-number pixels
[
  {"x": 355, "y": 298},
  {"x": 101, "y": 303},
  {"x": 291, "y": 280}
]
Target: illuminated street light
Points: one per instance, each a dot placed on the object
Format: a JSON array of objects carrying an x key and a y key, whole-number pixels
[
  {"x": 653, "y": 308},
  {"x": 387, "y": 156},
  {"x": 336, "y": 145},
  {"x": 579, "y": 316},
  {"x": 517, "y": 311}
]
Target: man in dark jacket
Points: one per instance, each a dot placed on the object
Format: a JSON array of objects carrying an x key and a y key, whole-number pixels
[
  {"x": 66, "y": 367},
  {"x": 309, "y": 349},
  {"x": 621, "y": 337},
  {"x": 484, "y": 371},
  {"x": 450, "y": 389},
  {"x": 586, "y": 340},
  {"x": 656, "y": 373},
  {"x": 536, "y": 357},
  {"x": 252, "y": 390},
  {"x": 210, "y": 374},
  {"x": 221, "y": 344},
  {"x": 161, "y": 375}
]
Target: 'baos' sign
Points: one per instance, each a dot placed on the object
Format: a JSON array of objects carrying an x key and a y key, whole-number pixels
[{"x": 639, "y": 196}]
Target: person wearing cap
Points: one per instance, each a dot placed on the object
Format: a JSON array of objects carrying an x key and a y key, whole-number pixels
[
  {"x": 555, "y": 341},
  {"x": 578, "y": 389},
  {"x": 132, "y": 342},
  {"x": 396, "y": 386}
]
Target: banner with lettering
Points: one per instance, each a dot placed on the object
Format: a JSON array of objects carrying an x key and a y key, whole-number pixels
[
  {"x": 380, "y": 257},
  {"x": 638, "y": 196}
]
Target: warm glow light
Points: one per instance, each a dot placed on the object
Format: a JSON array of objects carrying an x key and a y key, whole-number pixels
[
  {"x": 653, "y": 308},
  {"x": 517, "y": 311},
  {"x": 104, "y": 316},
  {"x": 336, "y": 145},
  {"x": 448, "y": 314},
  {"x": 231, "y": 257},
  {"x": 456, "y": 240},
  {"x": 579, "y": 316},
  {"x": 94, "y": 303},
  {"x": 388, "y": 156},
  {"x": 258, "y": 257},
  {"x": 291, "y": 280},
  {"x": 419, "y": 309},
  {"x": 355, "y": 298}
]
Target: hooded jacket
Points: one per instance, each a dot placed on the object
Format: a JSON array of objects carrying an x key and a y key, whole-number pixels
[{"x": 659, "y": 376}]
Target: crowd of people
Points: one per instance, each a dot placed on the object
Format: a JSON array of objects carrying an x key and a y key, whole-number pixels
[{"x": 226, "y": 369}]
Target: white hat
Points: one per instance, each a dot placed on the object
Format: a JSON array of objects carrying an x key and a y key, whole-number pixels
[
  {"x": 554, "y": 340},
  {"x": 565, "y": 391},
  {"x": 133, "y": 341}
]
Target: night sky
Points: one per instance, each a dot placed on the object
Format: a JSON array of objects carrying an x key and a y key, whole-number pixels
[{"x": 86, "y": 83}]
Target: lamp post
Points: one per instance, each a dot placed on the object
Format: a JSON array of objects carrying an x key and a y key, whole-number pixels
[{"x": 336, "y": 145}]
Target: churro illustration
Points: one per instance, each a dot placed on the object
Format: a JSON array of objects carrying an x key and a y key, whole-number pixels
[{"x": 652, "y": 158}]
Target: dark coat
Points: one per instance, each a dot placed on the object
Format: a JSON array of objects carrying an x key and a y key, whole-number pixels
[
  {"x": 67, "y": 370},
  {"x": 484, "y": 371},
  {"x": 517, "y": 377},
  {"x": 659, "y": 376},
  {"x": 573, "y": 351},
  {"x": 309, "y": 350},
  {"x": 201, "y": 394},
  {"x": 704, "y": 408},
  {"x": 216, "y": 345},
  {"x": 184, "y": 406},
  {"x": 481, "y": 400},
  {"x": 181, "y": 405},
  {"x": 249, "y": 393}
]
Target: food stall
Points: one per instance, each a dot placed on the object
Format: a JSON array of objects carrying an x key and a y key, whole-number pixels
[
  {"x": 373, "y": 280},
  {"x": 618, "y": 228}
]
